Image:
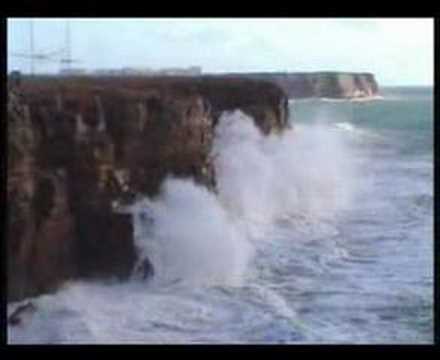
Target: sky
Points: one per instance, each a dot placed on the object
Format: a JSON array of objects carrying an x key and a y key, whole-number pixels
[{"x": 397, "y": 51}]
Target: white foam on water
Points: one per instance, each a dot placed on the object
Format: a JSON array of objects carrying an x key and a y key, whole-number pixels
[
  {"x": 197, "y": 237},
  {"x": 198, "y": 240},
  {"x": 345, "y": 126},
  {"x": 308, "y": 170},
  {"x": 192, "y": 237},
  {"x": 368, "y": 135}
]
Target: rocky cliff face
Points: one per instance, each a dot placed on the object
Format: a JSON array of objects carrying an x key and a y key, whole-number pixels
[
  {"x": 321, "y": 84},
  {"x": 40, "y": 224},
  {"x": 76, "y": 147}
]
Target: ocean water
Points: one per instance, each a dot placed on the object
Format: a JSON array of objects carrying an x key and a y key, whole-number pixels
[{"x": 321, "y": 235}]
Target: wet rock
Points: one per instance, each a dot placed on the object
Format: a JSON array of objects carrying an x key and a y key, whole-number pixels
[
  {"x": 77, "y": 146},
  {"x": 22, "y": 311},
  {"x": 145, "y": 269}
]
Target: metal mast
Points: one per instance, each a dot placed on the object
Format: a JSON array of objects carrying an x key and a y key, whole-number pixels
[
  {"x": 67, "y": 59},
  {"x": 31, "y": 44},
  {"x": 63, "y": 54},
  {"x": 68, "y": 46}
]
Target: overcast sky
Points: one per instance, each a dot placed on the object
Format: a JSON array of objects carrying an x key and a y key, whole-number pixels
[{"x": 397, "y": 51}]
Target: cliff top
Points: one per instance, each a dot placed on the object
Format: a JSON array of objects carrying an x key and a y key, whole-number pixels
[{"x": 324, "y": 72}]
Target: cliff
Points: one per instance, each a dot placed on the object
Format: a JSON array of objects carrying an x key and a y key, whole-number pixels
[
  {"x": 77, "y": 146},
  {"x": 337, "y": 85}
]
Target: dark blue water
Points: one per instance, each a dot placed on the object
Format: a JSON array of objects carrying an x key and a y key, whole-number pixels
[{"x": 388, "y": 235}]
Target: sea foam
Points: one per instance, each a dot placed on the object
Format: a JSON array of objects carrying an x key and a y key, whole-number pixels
[{"x": 198, "y": 237}]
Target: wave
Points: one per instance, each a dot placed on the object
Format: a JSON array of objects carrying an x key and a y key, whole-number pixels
[
  {"x": 191, "y": 239},
  {"x": 357, "y": 131},
  {"x": 203, "y": 244},
  {"x": 260, "y": 180},
  {"x": 341, "y": 100}
]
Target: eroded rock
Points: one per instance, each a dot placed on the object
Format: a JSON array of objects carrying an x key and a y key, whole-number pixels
[{"x": 77, "y": 146}]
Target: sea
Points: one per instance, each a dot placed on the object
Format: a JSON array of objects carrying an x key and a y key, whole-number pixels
[{"x": 320, "y": 235}]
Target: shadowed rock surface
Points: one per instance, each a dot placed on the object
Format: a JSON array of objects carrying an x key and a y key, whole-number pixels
[{"x": 78, "y": 146}]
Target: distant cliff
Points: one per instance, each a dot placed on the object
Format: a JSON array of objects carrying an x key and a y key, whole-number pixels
[
  {"x": 78, "y": 145},
  {"x": 337, "y": 85}
]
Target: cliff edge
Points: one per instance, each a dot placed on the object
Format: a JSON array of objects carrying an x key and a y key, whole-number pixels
[
  {"x": 336, "y": 85},
  {"x": 78, "y": 146}
]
